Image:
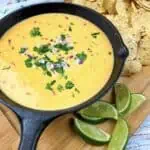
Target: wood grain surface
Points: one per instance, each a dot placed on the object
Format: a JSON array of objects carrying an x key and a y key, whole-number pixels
[{"x": 59, "y": 134}]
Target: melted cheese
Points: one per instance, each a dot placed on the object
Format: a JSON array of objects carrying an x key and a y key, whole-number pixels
[{"x": 26, "y": 86}]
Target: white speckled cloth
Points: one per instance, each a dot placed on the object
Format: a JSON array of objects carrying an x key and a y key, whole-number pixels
[{"x": 141, "y": 139}]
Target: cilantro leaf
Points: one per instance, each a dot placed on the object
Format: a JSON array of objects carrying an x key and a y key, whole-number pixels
[
  {"x": 28, "y": 62},
  {"x": 63, "y": 47},
  {"x": 76, "y": 90},
  {"x": 94, "y": 35},
  {"x": 60, "y": 70},
  {"x": 60, "y": 88},
  {"x": 22, "y": 50},
  {"x": 69, "y": 85},
  {"x": 42, "y": 49},
  {"x": 70, "y": 28},
  {"x": 63, "y": 37},
  {"x": 35, "y": 32},
  {"x": 49, "y": 85},
  {"x": 81, "y": 56}
]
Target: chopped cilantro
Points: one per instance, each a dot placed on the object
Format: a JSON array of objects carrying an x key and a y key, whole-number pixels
[
  {"x": 46, "y": 58},
  {"x": 37, "y": 63},
  {"x": 60, "y": 70},
  {"x": 49, "y": 73},
  {"x": 53, "y": 82},
  {"x": 81, "y": 56},
  {"x": 70, "y": 28},
  {"x": 76, "y": 90},
  {"x": 94, "y": 35},
  {"x": 35, "y": 32},
  {"x": 41, "y": 64},
  {"x": 60, "y": 88},
  {"x": 65, "y": 77},
  {"x": 28, "y": 62},
  {"x": 71, "y": 23},
  {"x": 63, "y": 47},
  {"x": 73, "y": 95},
  {"x": 49, "y": 85},
  {"x": 22, "y": 50},
  {"x": 42, "y": 49},
  {"x": 63, "y": 37},
  {"x": 58, "y": 66},
  {"x": 69, "y": 85}
]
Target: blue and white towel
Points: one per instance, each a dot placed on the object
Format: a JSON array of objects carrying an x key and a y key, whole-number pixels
[{"x": 141, "y": 139}]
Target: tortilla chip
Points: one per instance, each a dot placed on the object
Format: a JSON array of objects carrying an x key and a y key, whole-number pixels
[
  {"x": 92, "y": 0},
  {"x": 132, "y": 67},
  {"x": 131, "y": 39},
  {"x": 144, "y": 49},
  {"x": 141, "y": 19},
  {"x": 145, "y": 4},
  {"x": 122, "y": 7},
  {"x": 93, "y": 4},
  {"x": 110, "y": 6},
  {"x": 79, "y": 2},
  {"x": 97, "y": 5},
  {"x": 130, "y": 36},
  {"x": 133, "y": 6}
]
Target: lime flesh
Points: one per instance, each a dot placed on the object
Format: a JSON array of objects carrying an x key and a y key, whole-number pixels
[
  {"x": 91, "y": 133},
  {"x": 136, "y": 101},
  {"x": 119, "y": 136},
  {"x": 99, "y": 111},
  {"x": 123, "y": 97}
]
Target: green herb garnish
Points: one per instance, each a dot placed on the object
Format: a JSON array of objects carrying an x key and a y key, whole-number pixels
[
  {"x": 60, "y": 70},
  {"x": 71, "y": 23},
  {"x": 28, "y": 62},
  {"x": 22, "y": 50},
  {"x": 94, "y": 35},
  {"x": 49, "y": 85},
  {"x": 63, "y": 47},
  {"x": 49, "y": 73},
  {"x": 63, "y": 37},
  {"x": 81, "y": 56},
  {"x": 42, "y": 49},
  {"x": 76, "y": 90},
  {"x": 65, "y": 77},
  {"x": 35, "y": 32},
  {"x": 69, "y": 85},
  {"x": 73, "y": 95},
  {"x": 70, "y": 28},
  {"x": 60, "y": 88}
]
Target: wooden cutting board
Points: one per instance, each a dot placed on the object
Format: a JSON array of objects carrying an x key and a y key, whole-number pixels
[{"x": 59, "y": 134}]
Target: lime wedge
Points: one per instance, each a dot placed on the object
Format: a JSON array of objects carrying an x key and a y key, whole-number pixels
[
  {"x": 123, "y": 99},
  {"x": 98, "y": 112},
  {"x": 136, "y": 101},
  {"x": 119, "y": 136},
  {"x": 91, "y": 133}
]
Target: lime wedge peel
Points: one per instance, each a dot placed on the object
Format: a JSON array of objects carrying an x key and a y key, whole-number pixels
[
  {"x": 98, "y": 112},
  {"x": 123, "y": 97},
  {"x": 91, "y": 133},
  {"x": 119, "y": 136},
  {"x": 136, "y": 101}
]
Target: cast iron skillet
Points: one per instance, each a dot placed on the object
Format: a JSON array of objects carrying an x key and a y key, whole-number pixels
[{"x": 33, "y": 122}]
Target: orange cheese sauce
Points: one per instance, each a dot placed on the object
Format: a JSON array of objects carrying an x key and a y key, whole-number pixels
[{"x": 27, "y": 85}]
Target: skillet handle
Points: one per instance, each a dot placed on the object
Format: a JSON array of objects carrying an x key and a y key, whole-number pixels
[{"x": 31, "y": 131}]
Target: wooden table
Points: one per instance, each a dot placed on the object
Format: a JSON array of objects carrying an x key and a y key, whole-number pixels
[{"x": 59, "y": 134}]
